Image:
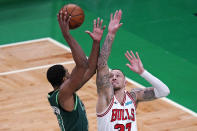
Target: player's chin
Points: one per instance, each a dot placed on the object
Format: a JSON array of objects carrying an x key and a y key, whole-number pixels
[{"x": 116, "y": 87}]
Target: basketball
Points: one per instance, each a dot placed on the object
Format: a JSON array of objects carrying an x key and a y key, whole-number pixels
[{"x": 76, "y": 13}]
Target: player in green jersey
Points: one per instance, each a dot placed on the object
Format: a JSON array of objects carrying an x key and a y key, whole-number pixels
[{"x": 67, "y": 106}]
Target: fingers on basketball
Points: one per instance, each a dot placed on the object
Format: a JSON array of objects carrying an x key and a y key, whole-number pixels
[{"x": 76, "y": 13}]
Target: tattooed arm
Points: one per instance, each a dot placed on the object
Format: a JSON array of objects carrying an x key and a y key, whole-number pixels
[
  {"x": 104, "y": 88},
  {"x": 143, "y": 94}
]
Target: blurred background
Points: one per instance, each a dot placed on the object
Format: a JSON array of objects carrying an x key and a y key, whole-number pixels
[{"x": 163, "y": 32}]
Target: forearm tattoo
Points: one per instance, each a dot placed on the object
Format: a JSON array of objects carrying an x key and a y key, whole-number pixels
[
  {"x": 105, "y": 51},
  {"x": 102, "y": 82}
]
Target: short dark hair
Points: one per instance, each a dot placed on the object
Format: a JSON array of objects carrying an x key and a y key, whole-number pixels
[
  {"x": 120, "y": 71},
  {"x": 55, "y": 75}
]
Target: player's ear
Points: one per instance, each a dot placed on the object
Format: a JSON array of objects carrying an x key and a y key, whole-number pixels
[
  {"x": 64, "y": 78},
  {"x": 125, "y": 82}
]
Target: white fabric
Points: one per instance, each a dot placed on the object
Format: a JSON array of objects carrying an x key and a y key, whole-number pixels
[
  {"x": 117, "y": 116},
  {"x": 160, "y": 89}
]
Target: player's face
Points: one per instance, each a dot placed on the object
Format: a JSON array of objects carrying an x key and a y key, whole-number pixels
[
  {"x": 67, "y": 75},
  {"x": 117, "y": 79}
]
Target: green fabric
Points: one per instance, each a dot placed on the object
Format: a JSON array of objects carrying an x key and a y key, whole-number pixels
[
  {"x": 76, "y": 102},
  {"x": 162, "y": 31},
  {"x": 75, "y": 120}
]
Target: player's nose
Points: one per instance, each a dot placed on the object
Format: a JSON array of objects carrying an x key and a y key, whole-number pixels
[{"x": 114, "y": 78}]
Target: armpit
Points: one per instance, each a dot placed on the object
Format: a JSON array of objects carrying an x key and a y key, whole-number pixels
[{"x": 133, "y": 94}]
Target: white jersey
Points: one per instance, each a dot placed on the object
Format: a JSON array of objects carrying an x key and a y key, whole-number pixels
[{"x": 117, "y": 116}]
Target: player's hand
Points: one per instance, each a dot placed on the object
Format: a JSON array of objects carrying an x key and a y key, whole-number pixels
[
  {"x": 97, "y": 33},
  {"x": 63, "y": 19},
  {"x": 135, "y": 63},
  {"x": 114, "y": 23}
]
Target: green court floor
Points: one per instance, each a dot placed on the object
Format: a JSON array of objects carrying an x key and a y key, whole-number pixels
[{"x": 164, "y": 32}]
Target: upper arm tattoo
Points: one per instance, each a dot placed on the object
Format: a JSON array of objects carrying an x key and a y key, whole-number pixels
[
  {"x": 149, "y": 94},
  {"x": 144, "y": 94}
]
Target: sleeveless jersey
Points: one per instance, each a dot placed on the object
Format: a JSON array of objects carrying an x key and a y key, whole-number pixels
[
  {"x": 75, "y": 120},
  {"x": 117, "y": 116}
]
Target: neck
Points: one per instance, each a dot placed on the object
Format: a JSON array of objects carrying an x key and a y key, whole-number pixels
[
  {"x": 119, "y": 94},
  {"x": 56, "y": 88}
]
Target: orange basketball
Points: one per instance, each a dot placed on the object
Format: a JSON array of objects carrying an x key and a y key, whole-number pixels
[{"x": 76, "y": 13}]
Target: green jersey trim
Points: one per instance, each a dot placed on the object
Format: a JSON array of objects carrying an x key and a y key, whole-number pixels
[
  {"x": 57, "y": 97},
  {"x": 76, "y": 102}
]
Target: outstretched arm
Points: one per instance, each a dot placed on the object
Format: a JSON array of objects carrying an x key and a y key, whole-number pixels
[
  {"x": 96, "y": 36},
  {"x": 104, "y": 88},
  {"x": 158, "y": 90},
  {"x": 78, "y": 54},
  {"x": 73, "y": 83}
]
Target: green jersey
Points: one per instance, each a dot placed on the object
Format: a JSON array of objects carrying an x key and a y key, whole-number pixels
[{"x": 75, "y": 120}]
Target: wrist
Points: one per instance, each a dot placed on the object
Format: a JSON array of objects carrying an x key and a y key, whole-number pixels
[
  {"x": 110, "y": 34},
  {"x": 96, "y": 41},
  {"x": 143, "y": 73},
  {"x": 66, "y": 34}
]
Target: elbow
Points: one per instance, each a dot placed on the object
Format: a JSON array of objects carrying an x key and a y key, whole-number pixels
[
  {"x": 91, "y": 73},
  {"x": 167, "y": 92},
  {"x": 85, "y": 66},
  {"x": 162, "y": 93}
]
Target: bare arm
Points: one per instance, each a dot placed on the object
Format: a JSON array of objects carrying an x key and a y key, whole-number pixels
[
  {"x": 72, "y": 84},
  {"x": 103, "y": 69},
  {"x": 77, "y": 53},
  {"x": 96, "y": 36},
  {"x": 104, "y": 88}
]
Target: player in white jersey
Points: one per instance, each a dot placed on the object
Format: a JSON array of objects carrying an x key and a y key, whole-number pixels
[
  {"x": 120, "y": 116},
  {"x": 116, "y": 108}
]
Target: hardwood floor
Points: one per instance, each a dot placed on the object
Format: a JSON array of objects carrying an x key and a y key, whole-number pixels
[{"x": 24, "y": 88}]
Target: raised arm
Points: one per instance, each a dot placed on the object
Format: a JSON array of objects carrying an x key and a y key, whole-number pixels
[
  {"x": 73, "y": 83},
  {"x": 158, "y": 89},
  {"x": 104, "y": 89},
  {"x": 96, "y": 36},
  {"x": 77, "y": 53}
]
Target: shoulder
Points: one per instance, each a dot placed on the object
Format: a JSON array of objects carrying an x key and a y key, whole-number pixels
[
  {"x": 132, "y": 96},
  {"x": 68, "y": 104},
  {"x": 134, "y": 92},
  {"x": 53, "y": 96}
]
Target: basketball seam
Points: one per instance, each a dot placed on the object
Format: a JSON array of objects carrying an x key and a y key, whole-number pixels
[
  {"x": 74, "y": 21},
  {"x": 77, "y": 23},
  {"x": 73, "y": 10},
  {"x": 76, "y": 15}
]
